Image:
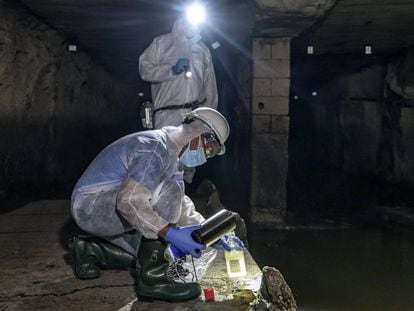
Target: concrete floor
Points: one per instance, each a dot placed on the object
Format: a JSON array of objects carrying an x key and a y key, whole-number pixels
[{"x": 36, "y": 273}]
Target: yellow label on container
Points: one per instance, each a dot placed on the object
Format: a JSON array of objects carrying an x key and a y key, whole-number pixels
[{"x": 235, "y": 265}]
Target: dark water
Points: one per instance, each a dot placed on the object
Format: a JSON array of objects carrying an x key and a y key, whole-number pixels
[{"x": 342, "y": 269}]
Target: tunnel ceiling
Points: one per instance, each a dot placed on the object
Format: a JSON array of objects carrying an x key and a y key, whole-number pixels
[
  {"x": 116, "y": 32},
  {"x": 386, "y": 25}
]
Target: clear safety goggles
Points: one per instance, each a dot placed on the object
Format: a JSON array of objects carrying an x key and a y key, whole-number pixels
[{"x": 211, "y": 144}]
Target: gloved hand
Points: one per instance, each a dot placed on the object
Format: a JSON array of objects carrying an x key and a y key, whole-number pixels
[
  {"x": 181, "y": 65},
  {"x": 222, "y": 245},
  {"x": 176, "y": 252},
  {"x": 181, "y": 239},
  {"x": 229, "y": 243},
  {"x": 236, "y": 243}
]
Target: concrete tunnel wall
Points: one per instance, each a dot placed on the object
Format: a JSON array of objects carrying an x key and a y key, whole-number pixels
[
  {"x": 58, "y": 109},
  {"x": 351, "y": 143}
]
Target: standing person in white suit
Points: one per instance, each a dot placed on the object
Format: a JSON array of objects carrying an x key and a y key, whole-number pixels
[{"x": 180, "y": 68}]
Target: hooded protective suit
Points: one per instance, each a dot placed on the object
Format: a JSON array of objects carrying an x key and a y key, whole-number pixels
[
  {"x": 168, "y": 89},
  {"x": 136, "y": 183}
]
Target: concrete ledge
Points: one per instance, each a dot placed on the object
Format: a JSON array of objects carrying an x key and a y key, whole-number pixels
[
  {"x": 36, "y": 273},
  {"x": 230, "y": 293}
]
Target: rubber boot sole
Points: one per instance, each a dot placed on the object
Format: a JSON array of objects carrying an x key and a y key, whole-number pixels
[{"x": 151, "y": 297}]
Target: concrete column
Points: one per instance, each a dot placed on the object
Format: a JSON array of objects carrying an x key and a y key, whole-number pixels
[{"x": 270, "y": 129}]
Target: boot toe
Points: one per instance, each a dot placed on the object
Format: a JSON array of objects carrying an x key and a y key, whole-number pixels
[{"x": 87, "y": 272}]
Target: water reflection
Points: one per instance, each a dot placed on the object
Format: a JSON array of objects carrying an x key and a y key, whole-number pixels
[{"x": 347, "y": 269}]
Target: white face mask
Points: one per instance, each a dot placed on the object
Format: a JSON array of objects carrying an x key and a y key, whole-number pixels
[
  {"x": 190, "y": 32},
  {"x": 193, "y": 158}
]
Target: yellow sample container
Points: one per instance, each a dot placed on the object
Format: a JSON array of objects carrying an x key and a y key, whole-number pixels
[{"x": 236, "y": 266}]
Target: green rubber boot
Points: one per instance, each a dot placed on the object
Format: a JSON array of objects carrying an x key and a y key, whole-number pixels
[
  {"x": 153, "y": 282},
  {"x": 92, "y": 253}
]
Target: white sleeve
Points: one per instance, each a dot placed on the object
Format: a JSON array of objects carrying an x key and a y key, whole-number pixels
[
  {"x": 189, "y": 216},
  {"x": 150, "y": 67},
  {"x": 210, "y": 84},
  {"x": 133, "y": 203}
]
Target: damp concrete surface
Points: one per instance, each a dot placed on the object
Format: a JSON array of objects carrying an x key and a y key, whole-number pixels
[{"x": 36, "y": 270}]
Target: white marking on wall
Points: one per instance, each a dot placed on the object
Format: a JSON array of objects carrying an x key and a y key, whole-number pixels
[{"x": 72, "y": 48}]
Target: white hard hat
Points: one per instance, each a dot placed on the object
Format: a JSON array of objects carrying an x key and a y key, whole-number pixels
[{"x": 215, "y": 120}]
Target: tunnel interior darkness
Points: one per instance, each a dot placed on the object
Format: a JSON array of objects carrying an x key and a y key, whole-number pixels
[
  {"x": 350, "y": 140},
  {"x": 350, "y": 144}
]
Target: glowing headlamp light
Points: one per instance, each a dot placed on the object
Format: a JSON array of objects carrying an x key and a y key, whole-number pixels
[
  {"x": 195, "y": 14},
  {"x": 188, "y": 74}
]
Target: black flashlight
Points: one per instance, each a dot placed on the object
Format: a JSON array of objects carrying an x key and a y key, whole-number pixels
[{"x": 214, "y": 227}]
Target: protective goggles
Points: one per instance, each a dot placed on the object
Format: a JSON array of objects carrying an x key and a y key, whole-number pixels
[{"x": 211, "y": 144}]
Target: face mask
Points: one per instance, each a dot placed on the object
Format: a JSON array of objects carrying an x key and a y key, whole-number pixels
[
  {"x": 193, "y": 158},
  {"x": 192, "y": 32}
]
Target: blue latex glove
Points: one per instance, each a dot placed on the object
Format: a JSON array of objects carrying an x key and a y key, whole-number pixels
[
  {"x": 229, "y": 243},
  {"x": 237, "y": 244},
  {"x": 182, "y": 65},
  {"x": 222, "y": 245},
  {"x": 181, "y": 239},
  {"x": 176, "y": 252}
]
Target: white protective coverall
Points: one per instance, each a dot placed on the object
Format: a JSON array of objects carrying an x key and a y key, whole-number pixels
[
  {"x": 167, "y": 89},
  {"x": 136, "y": 183}
]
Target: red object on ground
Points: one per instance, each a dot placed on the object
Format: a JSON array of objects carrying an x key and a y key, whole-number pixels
[{"x": 209, "y": 293}]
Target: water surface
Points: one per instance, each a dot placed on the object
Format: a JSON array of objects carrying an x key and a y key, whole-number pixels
[{"x": 342, "y": 269}]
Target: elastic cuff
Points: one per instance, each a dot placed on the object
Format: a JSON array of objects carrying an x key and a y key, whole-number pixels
[{"x": 159, "y": 225}]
